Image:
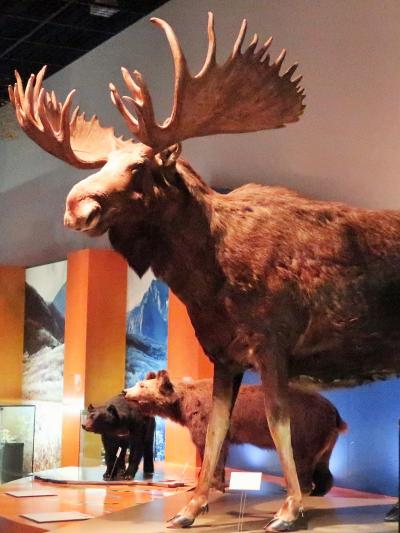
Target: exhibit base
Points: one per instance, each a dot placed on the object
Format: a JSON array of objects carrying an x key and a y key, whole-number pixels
[
  {"x": 65, "y": 491},
  {"x": 93, "y": 475},
  {"x": 342, "y": 511},
  {"x": 147, "y": 509}
]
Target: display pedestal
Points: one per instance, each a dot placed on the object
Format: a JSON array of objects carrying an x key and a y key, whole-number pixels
[
  {"x": 93, "y": 475},
  {"x": 116, "y": 508},
  {"x": 88, "y": 497}
]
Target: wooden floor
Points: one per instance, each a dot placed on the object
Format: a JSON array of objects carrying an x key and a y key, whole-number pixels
[
  {"x": 340, "y": 512},
  {"x": 89, "y": 499},
  {"x": 118, "y": 509}
]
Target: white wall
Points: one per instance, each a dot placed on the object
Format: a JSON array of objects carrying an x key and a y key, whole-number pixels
[{"x": 346, "y": 147}]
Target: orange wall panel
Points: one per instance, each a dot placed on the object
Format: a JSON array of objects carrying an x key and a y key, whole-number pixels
[
  {"x": 74, "y": 354},
  {"x": 185, "y": 355},
  {"x": 94, "y": 364},
  {"x": 12, "y": 307},
  {"x": 185, "y": 359},
  {"x": 106, "y": 329}
]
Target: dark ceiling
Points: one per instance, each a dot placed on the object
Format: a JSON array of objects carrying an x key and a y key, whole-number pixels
[{"x": 56, "y": 32}]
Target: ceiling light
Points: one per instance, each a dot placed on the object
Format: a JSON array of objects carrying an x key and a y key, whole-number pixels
[{"x": 102, "y": 11}]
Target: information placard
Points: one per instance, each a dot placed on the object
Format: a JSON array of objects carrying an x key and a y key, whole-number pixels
[
  {"x": 31, "y": 493},
  {"x": 62, "y": 516},
  {"x": 245, "y": 481}
]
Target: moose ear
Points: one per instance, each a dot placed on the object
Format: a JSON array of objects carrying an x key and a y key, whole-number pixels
[
  {"x": 165, "y": 385},
  {"x": 168, "y": 157},
  {"x": 113, "y": 410},
  {"x": 150, "y": 375}
]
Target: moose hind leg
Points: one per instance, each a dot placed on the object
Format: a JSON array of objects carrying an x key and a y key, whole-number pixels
[
  {"x": 322, "y": 476},
  {"x": 225, "y": 389},
  {"x": 322, "y": 479},
  {"x": 274, "y": 379},
  {"x": 305, "y": 470},
  {"x": 218, "y": 482}
]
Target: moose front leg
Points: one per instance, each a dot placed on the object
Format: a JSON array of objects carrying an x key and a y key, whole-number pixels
[
  {"x": 274, "y": 379},
  {"x": 225, "y": 389}
]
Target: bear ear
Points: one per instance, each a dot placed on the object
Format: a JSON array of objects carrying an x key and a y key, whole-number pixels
[
  {"x": 90, "y": 407},
  {"x": 113, "y": 410},
  {"x": 165, "y": 385},
  {"x": 151, "y": 375}
]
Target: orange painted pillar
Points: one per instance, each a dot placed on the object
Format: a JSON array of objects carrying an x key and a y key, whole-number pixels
[
  {"x": 185, "y": 359},
  {"x": 12, "y": 308},
  {"x": 94, "y": 360}
]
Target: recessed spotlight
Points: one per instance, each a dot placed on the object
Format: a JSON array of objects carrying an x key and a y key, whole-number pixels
[{"x": 103, "y": 11}]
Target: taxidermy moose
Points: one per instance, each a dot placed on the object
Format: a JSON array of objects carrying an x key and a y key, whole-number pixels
[{"x": 300, "y": 290}]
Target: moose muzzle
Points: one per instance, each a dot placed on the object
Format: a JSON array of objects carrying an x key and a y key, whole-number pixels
[{"x": 83, "y": 216}]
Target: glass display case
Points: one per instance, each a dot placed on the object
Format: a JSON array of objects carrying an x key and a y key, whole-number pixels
[{"x": 17, "y": 429}]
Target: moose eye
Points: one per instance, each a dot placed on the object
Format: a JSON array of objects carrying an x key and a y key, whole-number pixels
[{"x": 136, "y": 167}]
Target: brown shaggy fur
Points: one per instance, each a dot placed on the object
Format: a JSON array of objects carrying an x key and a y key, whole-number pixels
[
  {"x": 315, "y": 423},
  {"x": 263, "y": 269}
]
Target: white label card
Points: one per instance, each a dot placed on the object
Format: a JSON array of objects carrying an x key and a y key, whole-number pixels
[
  {"x": 245, "y": 481},
  {"x": 62, "y": 516},
  {"x": 31, "y": 493}
]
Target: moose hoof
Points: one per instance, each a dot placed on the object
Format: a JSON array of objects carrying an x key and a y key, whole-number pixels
[
  {"x": 277, "y": 524},
  {"x": 180, "y": 522}
]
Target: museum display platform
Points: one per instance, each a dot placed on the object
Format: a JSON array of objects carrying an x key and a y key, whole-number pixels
[
  {"x": 82, "y": 490},
  {"x": 120, "y": 507},
  {"x": 73, "y": 475}
]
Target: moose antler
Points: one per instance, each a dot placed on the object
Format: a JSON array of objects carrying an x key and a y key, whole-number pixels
[
  {"x": 81, "y": 143},
  {"x": 244, "y": 94}
]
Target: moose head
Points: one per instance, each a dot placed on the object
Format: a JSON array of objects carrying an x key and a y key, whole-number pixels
[{"x": 245, "y": 94}]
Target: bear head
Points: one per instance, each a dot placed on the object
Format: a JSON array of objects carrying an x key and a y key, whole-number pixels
[
  {"x": 102, "y": 419},
  {"x": 156, "y": 394}
]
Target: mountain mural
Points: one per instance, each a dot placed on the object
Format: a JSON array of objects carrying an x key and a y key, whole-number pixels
[
  {"x": 43, "y": 360},
  {"x": 146, "y": 334},
  {"x": 146, "y": 345},
  {"x": 149, "y": 319},
  {"x": 44, "y": 324},
  {"x": 60, "y": 299}
]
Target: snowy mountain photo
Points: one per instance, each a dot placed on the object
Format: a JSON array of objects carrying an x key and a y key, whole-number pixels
[
  {"x": 146, "y": 336},
  {"x": 43, "y": 360}
]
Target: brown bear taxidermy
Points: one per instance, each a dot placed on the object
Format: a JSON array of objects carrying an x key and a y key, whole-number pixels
[
  {"x": 297, "y": 289},
  {"x": 315, "y": 423}
]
